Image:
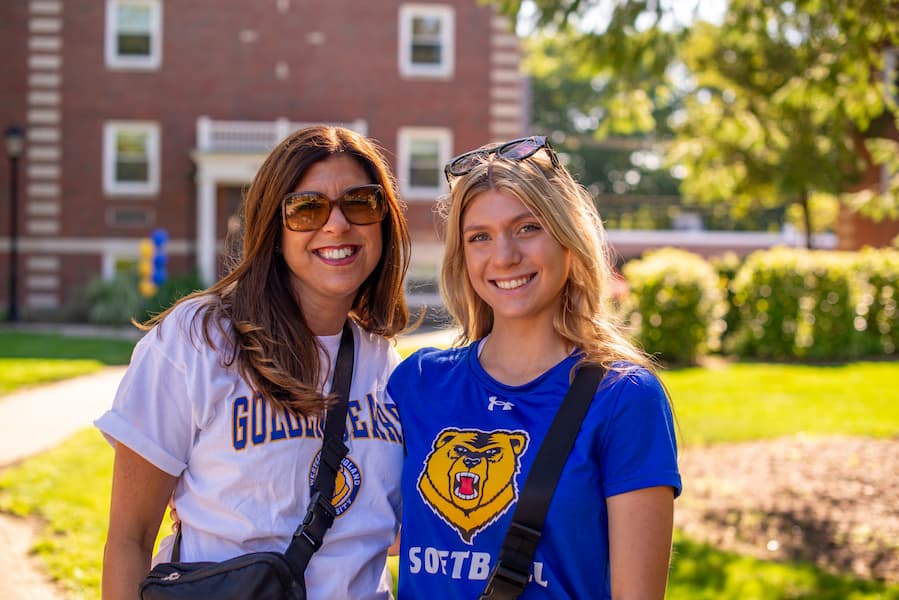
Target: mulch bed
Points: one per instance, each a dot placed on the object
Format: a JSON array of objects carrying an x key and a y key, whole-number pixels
[{"x": 830, "y": 501}]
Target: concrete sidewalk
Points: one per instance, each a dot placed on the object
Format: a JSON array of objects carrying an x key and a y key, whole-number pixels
[{"x": 39, "y": 418}]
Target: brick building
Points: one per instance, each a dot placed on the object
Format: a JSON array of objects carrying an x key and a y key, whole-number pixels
[
  {"x": 855, "y": 231},
  {"x": 145, "y": 114}
]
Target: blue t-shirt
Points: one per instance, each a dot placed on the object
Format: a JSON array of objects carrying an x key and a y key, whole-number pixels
[{"x": 470, "y": 442}]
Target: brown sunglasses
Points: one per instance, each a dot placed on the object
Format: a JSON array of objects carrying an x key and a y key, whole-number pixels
[{"x": 309, "y": 211}]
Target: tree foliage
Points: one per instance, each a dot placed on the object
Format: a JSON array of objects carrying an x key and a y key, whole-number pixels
[
  {"x": 619, "y": 171},
  {"x": 780, "y": 102}
]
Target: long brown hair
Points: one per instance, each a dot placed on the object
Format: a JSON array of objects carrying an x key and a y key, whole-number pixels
[
  {"x": 567, "y": 210},
  {"x": 271, "y": 342}
]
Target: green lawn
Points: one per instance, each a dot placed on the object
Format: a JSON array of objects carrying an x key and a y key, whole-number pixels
[
  {"x": 700, "y": 572},
  {"x": 51, "y": 346},
  {"x": 29, "y": 359},
  {"x": 69, "y": 486},
  {"x": 18, "y": 373},
  {"x": 741, "y": 402}
]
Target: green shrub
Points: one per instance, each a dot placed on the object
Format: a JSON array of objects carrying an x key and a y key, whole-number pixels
[
  {"x": 877, "y": 313},
  {"x": 114, "y": 301},
  {"x": 675, "y": 304},
  {"x": 173, "y": 289},
  {"x": 826, "y": 326},
  {"x": 797, "y": 303},
  {"x": 117, "y": 301},
  {"x": 766, "y": 293},
  {"x": 727, "y": 266}
]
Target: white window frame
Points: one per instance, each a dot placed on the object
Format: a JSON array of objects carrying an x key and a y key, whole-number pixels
[
  {"x": 114, "y": 60},
  {"x": 890, "y": 78},
  {"x": 447, "y": 16},
  {"x": 111, "y": 187},
  {"x": 108, "y": 261},
  {"x": 405, "y": 137},
  {"x": 891, "y": 72}
]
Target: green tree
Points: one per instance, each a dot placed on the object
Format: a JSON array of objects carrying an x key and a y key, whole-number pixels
[
  {"x": 778, "y": 103},
  {"x": 621, "y": 172}
]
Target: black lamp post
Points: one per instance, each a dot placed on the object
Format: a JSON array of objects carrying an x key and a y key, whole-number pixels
[{"x": 14, "y": 137}]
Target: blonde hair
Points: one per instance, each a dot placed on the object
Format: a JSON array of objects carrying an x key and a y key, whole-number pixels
[
  {"x": 272, "y": 344},
  {"x": 586, "y": 319}
]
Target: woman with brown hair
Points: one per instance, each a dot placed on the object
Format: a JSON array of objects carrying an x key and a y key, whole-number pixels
[{"x": 222, "y": 405}]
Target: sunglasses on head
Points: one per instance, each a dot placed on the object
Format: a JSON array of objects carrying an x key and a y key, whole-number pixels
[
  {"x": 519, "y": 149},
  {"x": 309, "y": 211}
]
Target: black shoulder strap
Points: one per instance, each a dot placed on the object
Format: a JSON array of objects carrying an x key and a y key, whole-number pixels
[
  {"x": 512, "y": 571},
  {"x": 320, "y": 514}
]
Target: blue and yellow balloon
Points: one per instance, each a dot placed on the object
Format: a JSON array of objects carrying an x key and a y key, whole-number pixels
[{"x": 151, "y": 265}]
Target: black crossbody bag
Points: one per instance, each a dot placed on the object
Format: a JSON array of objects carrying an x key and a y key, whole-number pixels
[
  {"x": 269, "y": 575},
  {"x": 512, "y": 571}
]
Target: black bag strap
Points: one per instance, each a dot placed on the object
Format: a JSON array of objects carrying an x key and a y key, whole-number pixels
[
  {"x": 513, "y": 567},
  {"x": 320, "y": 514}
]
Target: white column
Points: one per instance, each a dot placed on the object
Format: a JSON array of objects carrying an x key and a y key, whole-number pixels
[
  {"x": 282, "y": 129},
  {"x": 204, "y": 133},
  {"x": 205, "y": 227}
]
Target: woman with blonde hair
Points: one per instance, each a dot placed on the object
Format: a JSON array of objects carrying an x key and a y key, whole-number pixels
[
  {"x": 223, "y": 402},
  {"x": 527, "y": 277}
]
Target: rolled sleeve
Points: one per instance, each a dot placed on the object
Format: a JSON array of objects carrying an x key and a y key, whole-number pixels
[
  {"x": 151, "y": 412},
  {"x": 117, "y": 429}
]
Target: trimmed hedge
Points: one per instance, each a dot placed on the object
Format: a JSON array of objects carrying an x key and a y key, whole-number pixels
[
  {"x": 727, "y": 266},
  {"x": 877, "y": 319},
  {"x": 796, "y": 303},
  {"x": 777, "y": 304},
  {"x": 675, "y": 304}
]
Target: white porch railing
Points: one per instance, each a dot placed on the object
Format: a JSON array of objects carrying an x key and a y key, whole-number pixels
[{"x": 253, "y": 137}]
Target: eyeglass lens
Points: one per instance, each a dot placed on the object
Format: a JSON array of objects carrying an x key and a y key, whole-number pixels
[
  {"x": 514, "y": 150},
  {"x": 308, "y": 211},
  {"x": 519, "y": 149}
]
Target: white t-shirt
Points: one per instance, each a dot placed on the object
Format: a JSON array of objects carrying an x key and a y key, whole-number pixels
[{"x": 244, "y": 471}]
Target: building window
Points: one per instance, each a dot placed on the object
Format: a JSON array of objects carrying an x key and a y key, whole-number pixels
[
  {"x": 133, "y": 34},
  {"x": 427, "y": 40},
  {"x": 131, "y": 158},
  {"x": 891, "y": 72},
  {"x": 422, "y": 152}
]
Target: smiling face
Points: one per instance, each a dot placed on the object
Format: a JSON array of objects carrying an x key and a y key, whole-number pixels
[
  {"x": 328, "y": 265},
  {"x": 513, "y": 263}
]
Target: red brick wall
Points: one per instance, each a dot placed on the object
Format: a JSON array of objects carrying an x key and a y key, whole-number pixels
[
  {"x": 13, "y": 86},
  {"x": 207, "y": 70},
  {"x": 855, "y": 231}
]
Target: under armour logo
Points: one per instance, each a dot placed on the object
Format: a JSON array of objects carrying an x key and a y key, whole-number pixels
[{"x": 502, "y": 404}]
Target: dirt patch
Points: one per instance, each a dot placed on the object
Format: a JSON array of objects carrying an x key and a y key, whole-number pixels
[
  {"x": 23, "y": 578},
  {"x": 831, "y": 501}
]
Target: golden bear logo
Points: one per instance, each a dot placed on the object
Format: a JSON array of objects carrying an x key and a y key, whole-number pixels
[{"x": 469, "y": 478}]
